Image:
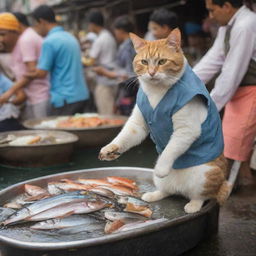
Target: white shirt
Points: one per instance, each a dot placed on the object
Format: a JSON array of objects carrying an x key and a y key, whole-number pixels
[
  {"x": 104, "y": 49},
  {"x": 234, "y": 66}
]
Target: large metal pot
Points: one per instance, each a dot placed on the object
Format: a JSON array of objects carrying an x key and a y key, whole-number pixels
[
  {"x": 38, "y": 155},
  {"x": 174, "y": 236},
  {"x": 88, "y": 137}
]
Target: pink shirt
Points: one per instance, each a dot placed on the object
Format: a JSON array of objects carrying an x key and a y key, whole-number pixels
[{"x": 28, "y": 48}]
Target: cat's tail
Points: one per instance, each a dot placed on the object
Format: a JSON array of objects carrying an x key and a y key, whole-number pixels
[
  {"x": 227, "y": 186},
  {"x": 223, "y": 193}
]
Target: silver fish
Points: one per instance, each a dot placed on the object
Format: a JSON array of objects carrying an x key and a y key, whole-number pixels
[
  {"x": 84, "y": 206},
  {"x": 124, "y": 216},
  {"x": 67, "y": 222},
  {"x": 5, "y": 213},
  {"x": 44, "y": 205},
  {"x": 131, "y": 226}
]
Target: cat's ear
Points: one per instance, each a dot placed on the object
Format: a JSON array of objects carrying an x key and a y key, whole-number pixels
[
  {"x": 137, "y": 41},
  {"x": 174, "y": 39}
]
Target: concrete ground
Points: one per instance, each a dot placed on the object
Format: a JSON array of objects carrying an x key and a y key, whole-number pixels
[{"x": 237, "y": 227}]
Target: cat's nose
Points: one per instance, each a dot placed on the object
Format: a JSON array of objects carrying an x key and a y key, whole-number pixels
[{"x": 151, "y": 71}]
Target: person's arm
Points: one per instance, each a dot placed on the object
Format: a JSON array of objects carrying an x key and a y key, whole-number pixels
[
  {"x": 242, "y": 45},
  {"x": 20, "y": 97},
  {"x": 213, "y": 60}
]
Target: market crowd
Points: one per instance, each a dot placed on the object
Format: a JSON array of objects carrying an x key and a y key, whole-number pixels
[{"x": 51, "y": 72}]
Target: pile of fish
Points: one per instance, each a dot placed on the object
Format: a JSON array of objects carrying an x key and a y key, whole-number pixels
[{"x": 78, "y": 205}]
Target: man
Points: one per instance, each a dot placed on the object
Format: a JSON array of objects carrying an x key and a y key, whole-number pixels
[
  {"x": 162, "y": 22},
  {"x": 9, "y": 111},
  {"x": 61, "y": 58},
  {"x": 126, "y": 96},
  {"x": 103, "y": 53},
  {"x": 234, "y": 56},
  {"x": 24, "y": 59}
]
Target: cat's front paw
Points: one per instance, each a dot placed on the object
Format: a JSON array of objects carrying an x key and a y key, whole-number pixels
[
  {"x": 109, "y": 152},
  {"x": 161, "y": 171},
  {"x": 153, "y": 196}
]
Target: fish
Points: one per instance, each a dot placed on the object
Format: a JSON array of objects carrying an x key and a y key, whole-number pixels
[
  {"x": 122, "y": 182},
  {"x": 60, "y": 223},
  {"x": 135, "y": 205},
  {"x": 119, "y": 226},
  {"x": 65, "y": 185},
  {"x": 119, "y": 190},
  {"x": 64, "y": 210},
  {"x": 5, "y": 213},
  {"x": 18, "y": 202},
  {"x": 124, "y": 216},
  {"x": 103, "y": 192},
  {"x": 94, "y": 182},
  {"x": 35, "y": 192},
  {"x": 45, "y": 204}
]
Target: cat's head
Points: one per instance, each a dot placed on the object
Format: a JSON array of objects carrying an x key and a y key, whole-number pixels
[{"x": 158, "y": 62}]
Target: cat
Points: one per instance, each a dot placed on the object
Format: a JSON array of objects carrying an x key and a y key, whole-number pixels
[{"x": 193, "y": 129}]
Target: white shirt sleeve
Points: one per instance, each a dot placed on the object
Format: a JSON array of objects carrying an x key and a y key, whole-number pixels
[
  {"x": 242, "y": 44},
  {"x": 96, "y": 49},
  {"x": 212, "y": 62}
]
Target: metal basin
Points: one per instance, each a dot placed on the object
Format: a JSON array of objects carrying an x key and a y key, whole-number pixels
[
  {"x": 38, "y": 155},
  {"x": 88, "y": 137},
  {"x": 174, "y": 236}
]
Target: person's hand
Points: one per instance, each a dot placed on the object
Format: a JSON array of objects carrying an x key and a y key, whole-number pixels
[
  {"x": 30, "y": 74},
  {"x": 4, "y": 98},
  {"x": 99, "y": 70}
]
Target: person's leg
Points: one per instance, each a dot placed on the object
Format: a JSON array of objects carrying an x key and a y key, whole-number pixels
[
  {"x": 10, "y": 124},
  {"x": 105, "y": 99},
  {"x": 239, "y": 129},
  {"x": 40, "y": 109}
]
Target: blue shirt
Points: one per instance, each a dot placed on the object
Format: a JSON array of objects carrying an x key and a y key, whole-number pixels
[
  {"x": 5, "y": 84},
  {"x": 159, "y": 120},
  {"x": 61, "y": 57},
  {"x": 7, "y": 110}
]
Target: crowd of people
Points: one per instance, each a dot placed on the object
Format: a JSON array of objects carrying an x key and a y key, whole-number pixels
[{"x": 55, "y": 74}]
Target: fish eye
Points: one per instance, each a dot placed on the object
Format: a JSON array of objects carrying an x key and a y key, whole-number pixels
[
  {"x": 162, "y": 61},
  {"x": 144, "y": 62}
]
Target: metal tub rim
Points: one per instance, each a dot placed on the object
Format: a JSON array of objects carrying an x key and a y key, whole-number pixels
[
  {"x": 73, "y": 138},
  {"x": 106, "y": 238},
  {"x": 29, "y": 124}
]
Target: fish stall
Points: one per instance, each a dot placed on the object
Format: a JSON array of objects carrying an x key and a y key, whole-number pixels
[
  {"x": 92, "y": 129},
  {"x": 95, "y": 211}
]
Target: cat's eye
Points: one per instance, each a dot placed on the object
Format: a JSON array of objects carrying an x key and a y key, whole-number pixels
[
  {"x": 162, "y": 61},
  {"x": 144, "y": 62}
]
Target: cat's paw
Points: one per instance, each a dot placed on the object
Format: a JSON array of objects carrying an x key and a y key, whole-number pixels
[
  {"x": 153, "y": 196},
  {"x": 193, "y": 206},
  {"x": 109, "y": 152},
  {"x": 161, "y": 171}
]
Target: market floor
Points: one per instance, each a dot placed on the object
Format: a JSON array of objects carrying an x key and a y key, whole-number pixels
[{"x": 237, "y": 227}]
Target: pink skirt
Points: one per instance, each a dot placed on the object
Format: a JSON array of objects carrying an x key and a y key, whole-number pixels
[{"x": 239, "y": 124}]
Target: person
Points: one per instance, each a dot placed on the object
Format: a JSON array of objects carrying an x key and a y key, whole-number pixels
[
  {"x": 24, "y": 59},
  {"x": 162, "y": 22},
  {"x": 233, "y": 54},
  {"x": 103, "y": 53},
  {"x": 61, "y": 58},
  {"x": 122, "y": 26},
  {"x": 9, "y": 111}
]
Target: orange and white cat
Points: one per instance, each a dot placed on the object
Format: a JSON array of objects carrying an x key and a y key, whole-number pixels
[{"x": 159, "y": 65}]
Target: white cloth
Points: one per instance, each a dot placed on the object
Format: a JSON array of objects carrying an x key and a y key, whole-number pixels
[
  {"x": 234, "y": 66},
  {"x": 104, "y": 49}
]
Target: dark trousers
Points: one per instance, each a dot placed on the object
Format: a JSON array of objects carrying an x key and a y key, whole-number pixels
[
  {"x": 68, "y": 109},
  {"x": 10, "y": 124}
]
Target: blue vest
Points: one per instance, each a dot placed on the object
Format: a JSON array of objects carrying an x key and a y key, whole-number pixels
[{"x": 159, "y": 120}]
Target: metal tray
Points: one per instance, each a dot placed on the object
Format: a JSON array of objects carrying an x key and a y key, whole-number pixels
[
  {"x": 179, "y": 233},
  {"x": 88, "y": 137},
  {"x": 38, "y": 155}
]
